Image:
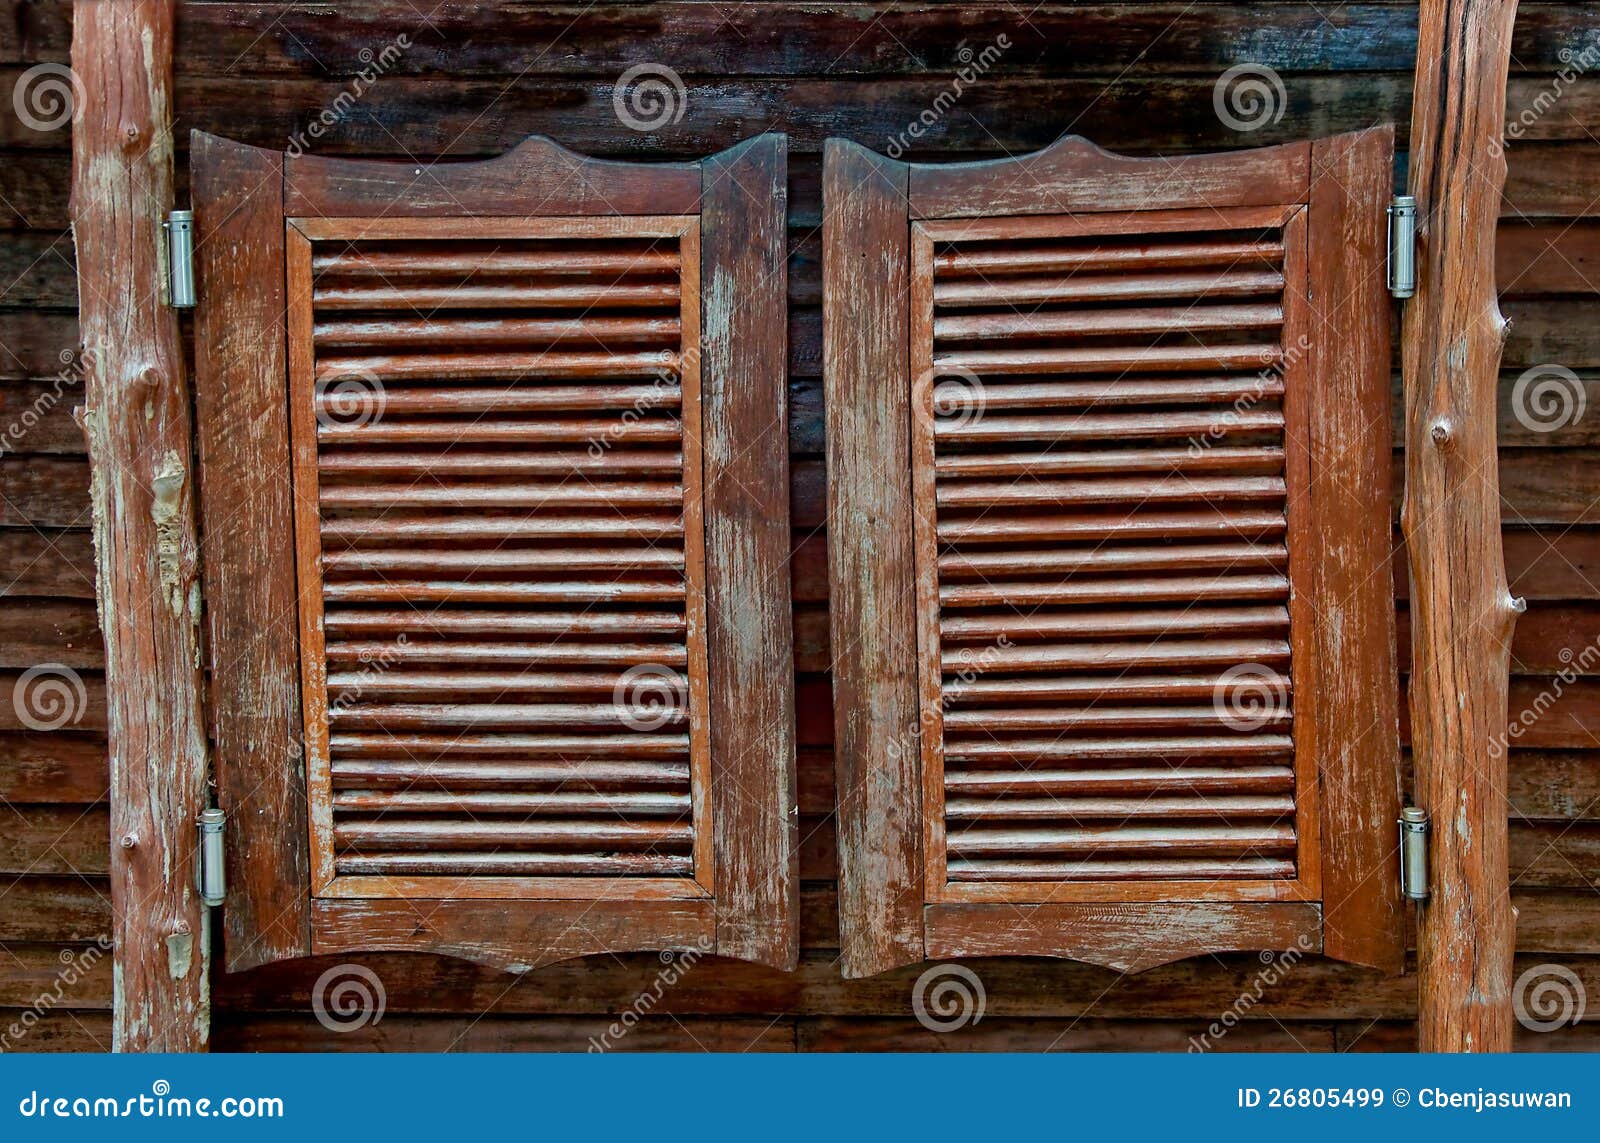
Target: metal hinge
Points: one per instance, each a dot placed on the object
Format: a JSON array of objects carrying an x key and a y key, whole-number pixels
[
  {"x": 1403, "y": 246},
  {"x": 210, "y": 875},
  {"x": 1414, "y": 825},
  {"x": 179, "y": 232}
]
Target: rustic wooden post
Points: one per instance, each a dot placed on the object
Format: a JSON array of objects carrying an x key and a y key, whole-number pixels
[
  {"x": 1462, "y": 611},
  {"x": 136, "y": 418}
]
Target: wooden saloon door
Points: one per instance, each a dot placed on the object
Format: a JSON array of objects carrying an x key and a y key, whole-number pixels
[
  {"x": 495, "y": 514},
  {"x": 1109, "y": 530}
]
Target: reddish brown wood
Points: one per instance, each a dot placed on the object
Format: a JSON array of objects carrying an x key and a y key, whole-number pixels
[
  {"x": 242, "y": 430},
  {"x": 1126, "y": 938},
  {"x": 865, "y": 239},
  {"x": 1074, "y": 175},
  {"x": 136, "y": 418},
  {"x": 1462, "y": 612},
  {"x": 536, "y": 177},
  {"x": 749, "y": 639},
  {"x": 1352, "y": 633},
  {"x": 513, "y": 935}
]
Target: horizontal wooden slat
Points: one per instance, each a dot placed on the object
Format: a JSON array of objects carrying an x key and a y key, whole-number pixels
[
  {"x": 1243, "y": 522},
  {"x": 1128, "y": 782},
  {"x": 965, "y": 688},
  {"x": 1121, "y": 809},
  {"x": 997, "y": 291},
  {"x": 1031, "y": 491},
  {"x": 500, "y": 715},
  {"x": 557, "y": 803},
  {"x": 1207, "y": 426},
  {"x": 421, "y": 833},
  {"x": 1036, "y": 323},
  {"x": 1166, "y": 840},
  {"x": 535, "y": 746},
  {"x": 1168, "y": 869},
  {"x": 1106, "y": 656},
  {"x": 1102, "y": 719},
  {"x": 1031, "y": 750},
  {"x": 457, "y": 772},
  {"x": 1166, "y": 589}
]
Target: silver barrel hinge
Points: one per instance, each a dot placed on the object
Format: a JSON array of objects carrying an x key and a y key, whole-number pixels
[
  {"x": 1414, "y": 825},
  {"x": 210, "y": 873},
  {"x": 1403, "y": 246},
  {"x": 179, "y": 231}
]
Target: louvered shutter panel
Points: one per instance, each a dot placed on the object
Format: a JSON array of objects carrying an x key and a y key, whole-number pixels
[
  {"x": 1137, "y": 457},
  {"x": 508, "y": 445}
]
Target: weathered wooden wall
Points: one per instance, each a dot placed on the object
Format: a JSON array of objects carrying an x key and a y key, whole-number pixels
[{"x": 475, "y": 80}]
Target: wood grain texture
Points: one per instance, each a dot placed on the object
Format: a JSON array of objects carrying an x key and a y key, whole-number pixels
[
  {"x": 537, "y": 177},
  {"x": 242, "y": 425},
  {"x": 138, "y": 424},
  {"x": 1352, "y": 635},
  {"x": 746, "y": 496},
  {"x": 1128, "y": 938},
  {"x": 1074, "y": 175},
  {"x": 1462, "y": 612},
  {"x": 871, "y": 559},
  {"x": 517, "y": 936}
]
